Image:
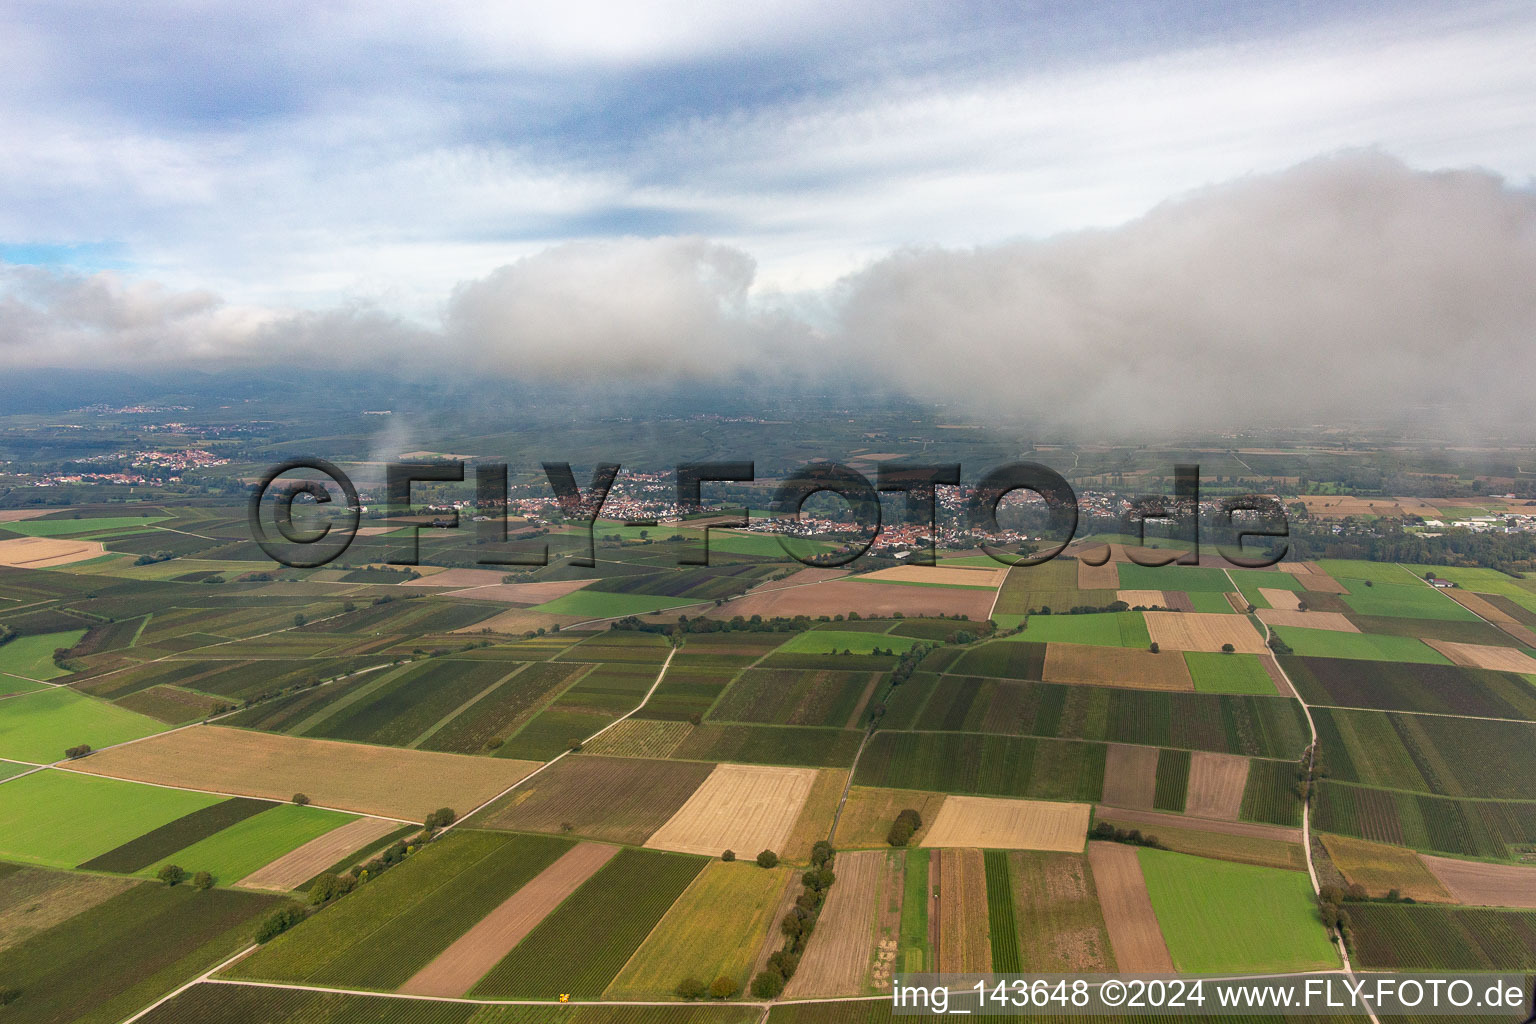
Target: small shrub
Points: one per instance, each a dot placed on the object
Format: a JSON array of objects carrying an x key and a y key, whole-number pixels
[
  {"x": 300, "y": 799},
  {"x": 1227, "y": 649},
  {"x": 1153, "y": 647},
  {"x": 728, "y": 856},
  {"x": 767, "y": 859}
]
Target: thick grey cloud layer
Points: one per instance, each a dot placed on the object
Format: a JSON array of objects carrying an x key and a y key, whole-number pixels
[{"x": 1348, "y": 288}]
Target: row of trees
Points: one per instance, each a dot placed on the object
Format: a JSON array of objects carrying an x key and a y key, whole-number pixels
[{"x": 797, "y": 925}]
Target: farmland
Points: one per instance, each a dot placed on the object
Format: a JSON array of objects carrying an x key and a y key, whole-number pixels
[
  {"x": 607, "y": 919},
  {"x": 715, "y": 928},
  {"x": 984, "y": 765},
  {"x": 1131, "y": 925},
  {"x": 1104, "y": 629},
  {"x": 1228, "y": 673},
  {"x": 1009, "y": 824},
  {"x": 31, "y": 657},
  {"x": 869, "y": 812},
  {"x": 1437, "y": 689},
  {"x": 1427, "y": 938},
  {"x": 38, "y": 726},
  {"x": 1061, "y": 928},
  {"x": 962, "y": 929},
  {"x": 33, "y": 900},
  {"x": 141, "y": 852},
  {"x": 617, "y": 799},
  {"x": 251, "y": 843},
  {"x": 1382, "y": 869},
  {"x": 738, "y": 807},
  {"x": 790, "y": 697},
  {"x": 97, "y": 815},
  {"x": 1447, "y": 756},
  {"x": 1220, "y": 916},
  {"x": 836, "y": 960}
]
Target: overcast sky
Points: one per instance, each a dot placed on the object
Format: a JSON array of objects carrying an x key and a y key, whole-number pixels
[{"x": 607, "y": 184}]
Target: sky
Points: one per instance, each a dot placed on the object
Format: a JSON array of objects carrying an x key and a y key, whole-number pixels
[{"x": 606, "y": 188}]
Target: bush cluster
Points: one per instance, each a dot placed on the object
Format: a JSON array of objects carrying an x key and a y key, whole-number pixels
[
  {"x": 904, "y": 827},
  {"x": 1105, "y": 832}
]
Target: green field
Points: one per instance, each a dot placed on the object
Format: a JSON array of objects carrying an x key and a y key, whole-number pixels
[
  {"x": 833, "y": 641},
  {"x": 32, "y": 656},
  {"x": 1414, "y": 601},
  {"x": 1376, "y": 572},
  {"x": 1479, "y": 581},
  {"x": 1188, "y": 578},
  {"x": 1104, "y": 629},
  {"x": 61, "y": 819},
  {"x": 1218, "y": 916},
  {"x": 71, "y": 527},
  {"x": 596, "y": 604},
  {"x": 231, "y": 854},
  {"x": 140, "y": 853},
  {"x": 985, "y": 765},
  {"x": 1329, "y": 643},
  {"x": 379, "y": 936},
  {"x": 586, "y": 941},
  {"x": 39, "y": 726},
  {"x": 1228, "y": 673}
]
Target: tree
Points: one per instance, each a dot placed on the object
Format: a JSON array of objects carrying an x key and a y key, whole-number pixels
[
  {"x": 1153, "y": 647},
  {"x": 300, "y": 799},
  {"x": 441, "y": 818},
  {"x": 298, "y": 619},
  {"x": 767, "y": 984},
  {"x": 722, "y": 988},
  {"x": 728, "y": 856},
  {"x": 767, "y": 859},
  {"x": 1227, "y": 648},
  {"x": 202, "y": 881},
  {"x": 9, "y": 995},
  {"x": 172, "y": 874},
  {"x": 690, "y": 988}
]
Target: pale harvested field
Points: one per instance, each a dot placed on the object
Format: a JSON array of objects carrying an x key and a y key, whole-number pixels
[
  {"x": 1335, "y": 621},
  {"x": 1321, "y": 583},
  {"x": 1500, "y": 659},
  {"x": 1203, "y": 631},
  {"x": 16, "y": 515},
  {"x": 520, "y": 593},
  {"x": 520, "y": 620},
  {"x": 458, "y": 578},
  {"x": 1134, "y": 933},
  {"x": 815, "y": 819},
  {"x": 456, "y": 969},
  {"x": 745, "y": 808},
  {"x": 1130, "y": 776},
  {"x": 640, "y": 737},
  {"x": 1281, "y": 600},
  {"x": 870, "y": 810},
  {"x": 1153, "y": 819},
  {"x": 298, "y": 866},
  {"x": 960, "y": 936},
  {"x": 1520, "y": 633},
  {"x": 44, "y": 552},
  {"x": 1117, "y": 666},
  {"x": 1479, "y": 605},
  {"x": 836, "y": 960},
  {"x": 799, "y": 579},
  {"x": 949, "y": 576},
  {"x": 1382, "y": 868},
  {"x": 408, "y": 784},
  {"x": 1489, "y": 885},
  {"x": 993, "y": 823},
  {"x": 1098, "y": 577},
  {"x": 1216, "y": 784},
  {"x": 841, "y": 596},
  {"x": 1340, "y": 505},
  {"x": 1147, "y": 598}
]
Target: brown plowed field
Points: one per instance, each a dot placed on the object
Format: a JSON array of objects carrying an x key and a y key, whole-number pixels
[
  {"x": 520, "y": 620},
  {"x": 1130, "y": 776},
  {"x": 1152, "y": 819},
  {"x": 458, "y": 578},
  {"x": 1238, "y": 602},
  {"x": 1134, "y": 933},
  {"x": 299, "y": 866},
  {"x": 836, "y": 960},
  {"x": 992, "y": 823},
  {"x": 1117, "y": 666},
  {"x": 1203, "y": 631},
  {"x": 456, "y": 969},
  {"x": 1281, "y": 682},
  {"x": 1322, "y": 583},
  {"x": 742, "y": 807},
  {"x": 797, "y": 579},
  {"x": 620, "y": 799},
  {"x": 1146, "y": 598},
  {"x": 1479, "y": 605},
  {"x": 398, "y": 783},
  {"x": 44, "y": 552},
  {"x": 950, "y": 576},
  {"x": 1491, "y": 885},
  {"x": 1500, "y": 659},
  {"x": 521, "y": 593},
  {"x": 1216, "y": 784},
  {"x": 841, "y": 596},
  {"x": 1280, "y": 600},
  {"x": 1098, "y": 577},
  {"x": 1521, "y": 633},
  {"x": 960, "y": 934},
  {"x": 1178, "y": 601},
  {"x": 1335, "y": 621}
]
